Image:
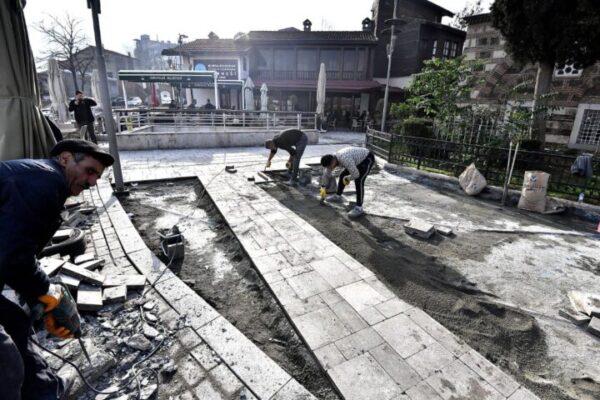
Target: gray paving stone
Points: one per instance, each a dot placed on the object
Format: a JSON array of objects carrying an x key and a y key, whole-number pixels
[
  {"x": 393, "y": 307},
  {"x": 433, "y": 358},
  {"x": 320, "y": 327},
  {"x": 292, "y": 256},
  {"x": 360, "y": 295},
  {"x": 205, "y": 391},
  {"x": 405, "y": 337},
  {"x": 308, "y": 284},
  {"x": 191, "y": 371},
  {"x": 331, "y": 297},
  {"x": 523, "y": 394},
  {"x": 293, "y": 271},
  {"x": 488, "y": 371},
  {"x": 82, "y": 274},
  {"x": 438, "y": 331},
  {"x": 335, "y": 272},
  {"x": 225, "y": 380},
  {"x": 207, "y": 358},
  {"x": 329, "y": 356},
  {"x": 89, "y": 298},
  {"x": 284, "y": 292},
  {"x": 371, "y": 315},
  {"x": 270, "y": 263},
  {"x": 349, "y": 317},
  {"x": 380, "y": 288},
  {"x": 273, "y": 277},
  {"x": 363, "y": 378},
  {"x": 457, "y": 381},
  {"x": 293, "y": 391},
  {"x": 358, "y": 343},
  {"x": 422, "y": 391},
  {"x": 241, "y": 355},
  {"x": 114, "y": 294},
  {"x": 349, "y": 261},
  {"x": 395, "y": 366},
  {"x": 297, "y": 306}
]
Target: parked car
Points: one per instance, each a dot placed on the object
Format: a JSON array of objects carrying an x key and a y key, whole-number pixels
[
  {"x": 118, "y": 102},
  {"x": 165, "y": 98},
  {"x": 134, "y": 101}
]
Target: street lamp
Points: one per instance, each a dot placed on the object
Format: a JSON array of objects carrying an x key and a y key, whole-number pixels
[{"x": 94, "y": 5}]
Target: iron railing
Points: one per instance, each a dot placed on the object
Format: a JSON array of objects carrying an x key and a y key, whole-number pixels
[
  {"x": 452, "y": 158},
  {"x": 129, "y": 119}
]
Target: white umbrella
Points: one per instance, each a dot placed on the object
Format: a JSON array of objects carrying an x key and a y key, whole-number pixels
[
  {"x": 58, "y": 93},
  {"x": 249, "y": 94},
  {"x": 95, "y": 83},
  {"x": 321, "y": 83},
  {"x": 264, "y": 99}
]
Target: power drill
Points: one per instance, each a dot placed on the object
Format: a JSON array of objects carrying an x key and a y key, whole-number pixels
[{"x": 65, "y": 315}]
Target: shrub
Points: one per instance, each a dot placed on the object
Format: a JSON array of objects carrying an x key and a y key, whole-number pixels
[{"x": 419, "y": 127}]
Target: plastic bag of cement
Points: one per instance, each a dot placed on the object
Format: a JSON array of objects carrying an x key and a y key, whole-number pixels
[
  {"x": 533, "y": 193},
  {"x": 472, "y": 181}
]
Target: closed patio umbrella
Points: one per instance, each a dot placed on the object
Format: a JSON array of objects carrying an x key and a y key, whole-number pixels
[
  {"x": 58, "y": 93},
  {"x": 321, "y": 84},
  {"x": 24, "y": 132},
  {"x": 264, "y": 99},
  {"x": 95, "y": 84},
  {"x": 249, "y": 94}
]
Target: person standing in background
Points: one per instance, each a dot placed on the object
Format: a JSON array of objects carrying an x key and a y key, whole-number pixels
[{"x": 82, "y": 108}]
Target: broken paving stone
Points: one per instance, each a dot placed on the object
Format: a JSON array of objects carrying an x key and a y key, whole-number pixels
[
  {"x": 150, "y": 317},
  {"x": 115, "y": 294},
  {"x": 594, "y": 327},
  {"x": 169, "y": 368},
  {"x": 106, "y": 325},
  {"x": 84, "y": 258},
  {"x": 89, "y": 298},
  {"x": 108, "y": 393},
  {"x": 138, "y": 342},
  {"x": 92, "y": 265},
  {"x": 148, "y": 391},
  {"x": 419, "y": 228},
  {"x": 82, "y": 274},
  {"x": 131, "y": 281},
  {"x": 442, "y": 230},
  {"x": 51, "y": 265},
  {"x": 149, "y": 331},
  {"x": 62, "y": 234},
  {"x": 149, "y": 305},
  {"x": 70, "y": 282},
  {"x": 574, "y": 316},
  {"x": 587, "y": 303}
]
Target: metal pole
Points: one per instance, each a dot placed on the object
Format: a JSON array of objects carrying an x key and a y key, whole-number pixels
[
  {"x": 217, "y": 102},
  {"x": 106, "y": 107},
  {"x": 389, "y": 70}
]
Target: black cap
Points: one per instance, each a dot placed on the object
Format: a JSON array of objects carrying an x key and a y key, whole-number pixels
[{"x": 85, "y": 147}]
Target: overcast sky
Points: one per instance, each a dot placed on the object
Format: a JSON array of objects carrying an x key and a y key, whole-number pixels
[{"x": 122, "y": 21}]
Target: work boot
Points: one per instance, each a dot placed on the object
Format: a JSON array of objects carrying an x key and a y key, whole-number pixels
[
  {"x": 356, "y": 212},
  {"x": 334, "y": 198},
  {"x": 291, "y": 182}
]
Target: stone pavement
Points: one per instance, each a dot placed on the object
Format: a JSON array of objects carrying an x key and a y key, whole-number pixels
[
  {"x": 215, "y": 360},
  {"x": 372, "y": 344}
]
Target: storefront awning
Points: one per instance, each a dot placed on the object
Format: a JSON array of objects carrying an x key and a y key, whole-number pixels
[
  {"x": 188, "y": 79},
  {"x": 332, "y": 85}
]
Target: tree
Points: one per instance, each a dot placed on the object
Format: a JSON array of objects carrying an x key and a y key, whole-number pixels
[
  {"x": 548, "y": 32},
  {"x": 471, "y": 8},
  {"x": 65, "y": 40}
]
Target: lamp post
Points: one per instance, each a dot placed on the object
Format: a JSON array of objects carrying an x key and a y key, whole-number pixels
[
  {"x": 389, "y": 69},
  {"x": 180, "y": 38},
  {"x": 94, "y": 5}
]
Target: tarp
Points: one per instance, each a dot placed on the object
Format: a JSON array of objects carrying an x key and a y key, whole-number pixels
[
  {"x": 321, "y": 84},
  {"x": 58, "y": 93},
  {"x": 264, "y": 97},
  {"x": 249, "y": 94},
  {"x": 24, "y": 132}
]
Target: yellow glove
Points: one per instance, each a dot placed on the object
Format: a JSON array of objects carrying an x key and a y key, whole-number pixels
[
  {"x": 322, "y": 193},
  {"x": 346, "y": 180},
  {"x": 51, "y": 300},
  {"x": 268, "y": 165}
]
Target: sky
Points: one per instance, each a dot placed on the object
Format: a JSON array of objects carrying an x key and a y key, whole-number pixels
[{"x": 122, "y": 21}]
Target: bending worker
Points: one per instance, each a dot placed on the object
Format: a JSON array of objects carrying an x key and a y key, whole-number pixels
[
  {"x": 293, "y": 141},
  {"x": 357, "y": 163},
  {"x": 32, "y": 196}
]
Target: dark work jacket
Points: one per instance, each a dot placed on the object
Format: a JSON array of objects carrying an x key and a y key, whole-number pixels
[
  {"x": 286, "y": 139},
  {"x": 83, "y": 110},
  {"x": 32, "y": 196}
]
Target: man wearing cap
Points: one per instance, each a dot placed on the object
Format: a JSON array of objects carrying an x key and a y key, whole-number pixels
[
  {"x": 82, "y": 109},
  {"x": 32, "y": 196},
  {"x": 293, "y": 141}
]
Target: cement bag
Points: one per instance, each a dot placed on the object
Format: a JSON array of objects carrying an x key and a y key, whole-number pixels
[
  {"x": 471, "y": 180},
  {"x": 533, "y": 193}
]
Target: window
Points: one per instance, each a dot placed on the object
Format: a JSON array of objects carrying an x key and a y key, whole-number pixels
[
  {"x": 588, "y": 131},
  {"x": 362, "y": 60},
  {"x": 434, "y": 51},
  {"x": 284, "y": 60},
  {"x": 482, "y": 42},
  {"x": 307, "y": 60},
  {"x": 332, "y": 59},
  {"x": 349, "y": 60},
  {"x": 485, "y": 54},
  {"x": 446, "y": 49},
  {"x": 244, "y": 64},
  {"x": 567, "y": 71},
  {"x": 264, "y": 59},
  {"x": 454, "y": 49},
  {"x": 495, "y": 41}
]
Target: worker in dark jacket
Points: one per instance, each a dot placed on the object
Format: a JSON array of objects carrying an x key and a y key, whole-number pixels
[
  {"x": 32, "y": 196},
  {"x": 82, "y": 108},
  {"x": 293, "y": 141}
]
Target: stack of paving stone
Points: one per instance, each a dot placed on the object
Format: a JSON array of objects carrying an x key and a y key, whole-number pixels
[{"x": 585, "y": 311}]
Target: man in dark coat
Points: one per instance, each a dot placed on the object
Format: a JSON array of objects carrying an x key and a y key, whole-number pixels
[{"x": 82, "y": 108}]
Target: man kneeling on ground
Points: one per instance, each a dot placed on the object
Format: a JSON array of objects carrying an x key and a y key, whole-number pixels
[
  {"x": 293, "y": 141},
  {"x": 357, "y": 163}
]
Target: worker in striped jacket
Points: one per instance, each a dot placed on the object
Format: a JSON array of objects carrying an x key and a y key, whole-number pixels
[{"x": 357, "y": 163}]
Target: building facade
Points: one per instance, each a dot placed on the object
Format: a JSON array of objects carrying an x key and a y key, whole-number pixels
[
  {"x": 148, "y": 53},
  {"x": 575, "y": 119}
]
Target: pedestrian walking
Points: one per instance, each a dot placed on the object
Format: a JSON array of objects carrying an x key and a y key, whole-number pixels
[{"x": 82, "y": 108}]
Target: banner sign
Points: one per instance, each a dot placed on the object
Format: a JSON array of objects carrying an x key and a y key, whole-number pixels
[{"x": 227, "y": 69}]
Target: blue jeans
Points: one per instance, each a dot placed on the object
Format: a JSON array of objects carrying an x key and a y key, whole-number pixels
[{"x": 300, "y": 147}]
